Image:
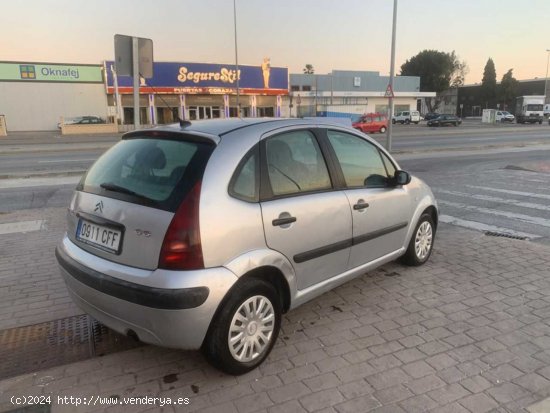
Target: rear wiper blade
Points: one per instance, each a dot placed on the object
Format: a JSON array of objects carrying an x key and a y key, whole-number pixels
[{"x": 109, "y": 186}]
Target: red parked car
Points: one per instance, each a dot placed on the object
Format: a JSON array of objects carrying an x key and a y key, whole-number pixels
[{"x": 372, "y": 122}]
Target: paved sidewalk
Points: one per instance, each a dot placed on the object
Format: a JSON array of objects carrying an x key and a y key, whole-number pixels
[
  {"x": 468, "y": 332},
  {"x": 31, "y": 289}
]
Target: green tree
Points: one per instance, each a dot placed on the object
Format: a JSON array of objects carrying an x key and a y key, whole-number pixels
[
  {"x": 308, "y": 69},
  {"x": 489, "y": 84},
  {"x": 508, "y": 89},
  {"x": 438, "y": 71}
]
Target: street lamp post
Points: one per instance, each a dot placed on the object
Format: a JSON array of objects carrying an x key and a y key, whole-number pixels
[
  {"x": 392, "y": 74},
  {"x": 236, "y": 57},
  {"x": 546, "y": 78}
]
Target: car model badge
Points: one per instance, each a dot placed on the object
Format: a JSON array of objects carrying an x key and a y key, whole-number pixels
[
  {"x": 140, "y": 232},
  {"x": 99, "y": 207}
]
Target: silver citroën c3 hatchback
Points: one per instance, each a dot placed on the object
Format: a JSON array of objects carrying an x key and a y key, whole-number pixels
[{"x": 200, "y": 235}]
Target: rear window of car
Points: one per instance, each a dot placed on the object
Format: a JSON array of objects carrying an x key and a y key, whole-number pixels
[{"x": 153, "y": 171}]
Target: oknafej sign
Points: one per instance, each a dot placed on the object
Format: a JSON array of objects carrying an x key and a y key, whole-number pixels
[{"x": 50, "y": 72}]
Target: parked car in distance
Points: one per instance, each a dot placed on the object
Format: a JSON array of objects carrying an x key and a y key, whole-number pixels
[
  {"x": 443, "y": 120},
  {"x": 431, "y": 115},
  {"x": 503, "y": 116},
  {"x": 372, "y": 123},
  {"x": 82, "y": 120},
  {"x": 407, "y": 117},
  {"x": 202, "y": 234}
]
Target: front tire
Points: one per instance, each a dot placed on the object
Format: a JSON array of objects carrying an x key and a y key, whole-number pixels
[
  {"x": 382, "y": 129},
  {"x": 245, "y": 329},
  {"x": 422, "y": 242}
]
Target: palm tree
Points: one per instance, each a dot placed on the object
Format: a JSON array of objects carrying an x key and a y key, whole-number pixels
[{"x": 309, "y": 70}]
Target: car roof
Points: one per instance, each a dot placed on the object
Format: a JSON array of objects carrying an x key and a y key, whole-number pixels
[{"x": 220, "y": 127}]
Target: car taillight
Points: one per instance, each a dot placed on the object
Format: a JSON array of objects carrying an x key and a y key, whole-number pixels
[{"x": 182, "y": 249}]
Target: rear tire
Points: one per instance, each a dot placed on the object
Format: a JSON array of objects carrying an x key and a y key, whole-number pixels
[
  {"x": 382, "y": 129},
  {"x": 245, "y": 328},
  {"x": 407, "y": 121},
  {"x": 422, "y": 242}
]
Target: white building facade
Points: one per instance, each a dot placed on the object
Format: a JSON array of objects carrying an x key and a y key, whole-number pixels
[{"x": 350, "y": 94}]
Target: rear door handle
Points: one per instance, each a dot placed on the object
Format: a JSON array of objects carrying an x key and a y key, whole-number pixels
[
  {"x": 283, "y": 221},
  {"x": 360, "y": 205}
]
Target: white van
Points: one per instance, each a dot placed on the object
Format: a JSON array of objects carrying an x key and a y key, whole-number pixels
[
  {"x": 547, "y": 110},
  {"x": 407, "y": 117},
  {"x": 504, "y": 116}
]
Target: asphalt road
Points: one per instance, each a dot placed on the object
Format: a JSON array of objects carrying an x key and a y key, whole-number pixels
[
  {"x": 505, "y": 192},
  {"x": 420, "y": 137},
  {"x": 500, "y": 186},
  {"x": 50, "y": 153},
  {"x": 44, "y": 162}
]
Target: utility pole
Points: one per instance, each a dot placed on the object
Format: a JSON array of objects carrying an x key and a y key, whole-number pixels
[
  {"x": 546, "y": 78},
  {"x": 135, "y": 71},
  {"x": 392, "y": 74},
  {"x": 236, "y": 57}
]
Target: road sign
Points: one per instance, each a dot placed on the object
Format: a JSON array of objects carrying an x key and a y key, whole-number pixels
[
  {"x": 134, "y": 57},
  {"x": 124, "y": 56},
  {"x": 389, "y": 92}
]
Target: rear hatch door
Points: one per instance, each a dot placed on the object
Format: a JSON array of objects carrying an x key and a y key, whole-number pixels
[{"x": 124, "y": 204}]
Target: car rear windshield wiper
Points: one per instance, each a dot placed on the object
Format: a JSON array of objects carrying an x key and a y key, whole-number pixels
[{"x": 109, "y": 186}]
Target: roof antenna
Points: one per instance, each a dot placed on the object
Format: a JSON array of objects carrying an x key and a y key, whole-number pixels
[{"x": 184, "y": 123}]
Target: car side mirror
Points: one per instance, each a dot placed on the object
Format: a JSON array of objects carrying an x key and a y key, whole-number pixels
[{"x": 401, "y": 178}]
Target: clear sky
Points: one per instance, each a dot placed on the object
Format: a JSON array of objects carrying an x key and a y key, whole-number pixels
[{"x": 329, "y": 34}]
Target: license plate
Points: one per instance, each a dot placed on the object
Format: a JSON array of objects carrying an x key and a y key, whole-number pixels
[{"x": 103, "y": 237}]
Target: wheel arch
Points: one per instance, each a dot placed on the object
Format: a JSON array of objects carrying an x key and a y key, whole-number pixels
[
  {"x": 268, "y": 273},
  {"x": 263, "y": 264},
  {"x": 426, "y": 205},
  {"x": 432, "y": 211}
]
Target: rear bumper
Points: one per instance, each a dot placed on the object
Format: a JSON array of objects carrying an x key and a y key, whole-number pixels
[
  {"x": 159, "y": 298},
  {"x": 177, "y": 317}
]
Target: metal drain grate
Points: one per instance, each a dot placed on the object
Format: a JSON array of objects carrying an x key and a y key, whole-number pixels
[
  {"x": 32, "y": 348},
  {"x": 505, "y": 235}
]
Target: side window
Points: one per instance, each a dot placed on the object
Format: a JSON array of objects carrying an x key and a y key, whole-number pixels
[
  {"x": 368, "y": 120},
  {"x": 295, "y": 164},
  {"x": 390, "y": 167},
  {"x": 360, "y": 161},
  {"x": 243, "y": 185}
]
